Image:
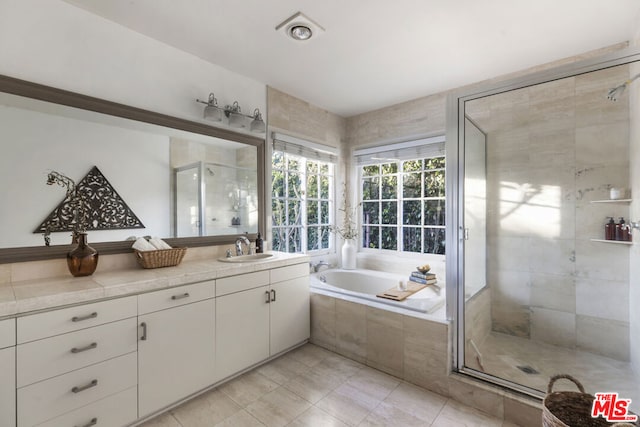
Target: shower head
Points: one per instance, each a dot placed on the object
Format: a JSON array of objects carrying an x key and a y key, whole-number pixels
[
  {"x": 211, "y": 172},
  {"x": 616, "y": 92}
]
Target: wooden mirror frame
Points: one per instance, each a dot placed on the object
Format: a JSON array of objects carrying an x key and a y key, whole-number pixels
[{"x": 71, "y": 99}]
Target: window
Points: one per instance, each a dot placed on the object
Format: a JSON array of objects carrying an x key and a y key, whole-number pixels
[
  {"x": 402, "y": 190},
  {"x": 302, "y": 196}
]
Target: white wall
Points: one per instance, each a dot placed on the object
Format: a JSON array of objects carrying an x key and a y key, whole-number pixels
[
  {"x": 135, "y": 163},
  {"x": 57, "y": 44}
]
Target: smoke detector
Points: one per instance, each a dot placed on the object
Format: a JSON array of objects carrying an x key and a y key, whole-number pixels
[{"x": 300, "y": 27}]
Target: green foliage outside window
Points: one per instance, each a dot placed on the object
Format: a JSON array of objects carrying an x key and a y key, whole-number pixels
[
  {"x": 403, "y": 205},
  {"x": 300, "y": 203}
]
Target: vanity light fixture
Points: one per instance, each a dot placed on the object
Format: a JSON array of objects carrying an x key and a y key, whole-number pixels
[
  {"x": 233, "y": 113},
  {"x": 299, "y": 27},
  {"x": 616, "y": 92}
]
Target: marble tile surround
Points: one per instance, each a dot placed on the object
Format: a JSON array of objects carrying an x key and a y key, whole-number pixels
[{"x": 412, "y": 349}]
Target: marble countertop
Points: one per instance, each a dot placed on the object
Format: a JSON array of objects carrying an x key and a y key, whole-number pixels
[{"x": 22, "y": 297}]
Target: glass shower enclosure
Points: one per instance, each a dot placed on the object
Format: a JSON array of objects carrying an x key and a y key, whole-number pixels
[
  {"x": 214, "y": 199},
  {"x": 536, "y": 289}
]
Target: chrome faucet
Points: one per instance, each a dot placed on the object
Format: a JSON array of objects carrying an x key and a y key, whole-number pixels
[
  {"x": 239, "y": 241},
  {"x": 316, "y": 267}
]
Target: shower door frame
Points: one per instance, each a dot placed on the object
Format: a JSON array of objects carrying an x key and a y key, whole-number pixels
[{"x": 455, "y": 150}]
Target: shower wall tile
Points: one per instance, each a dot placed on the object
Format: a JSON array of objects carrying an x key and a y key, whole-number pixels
[
  {"x": 385, "y": 341},
  {"x": 594, "y": 182},
  {"x": 554, "y": 327},
  {"x": 554, "y": 147},
  {"x": 351, "y": 330},
  {"x": 606, "y": 299},
  {"x": 604, "y": 144},
  {"x": 510, "y": 287},
  {"x": 323, "y": 321},
  {"x": 553, "y": 256},
  {"x": 601, "y": 261},
  {"x": 508, "y": 253},
  {"x": 553, "y": 291},
  {"x": 601, "y": 336},
  {"x": 512, "y": 320}
]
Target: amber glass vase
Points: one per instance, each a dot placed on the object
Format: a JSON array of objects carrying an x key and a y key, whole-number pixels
[{"x": 82, "y": 260}]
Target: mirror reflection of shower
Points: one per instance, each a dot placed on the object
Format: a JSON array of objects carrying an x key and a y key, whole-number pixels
[{"x": 213, "y": 199}]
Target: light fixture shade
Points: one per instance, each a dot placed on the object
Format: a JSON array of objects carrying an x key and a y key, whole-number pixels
[
  {"x": 213, "y": 113},
  {"x": 257, "y": 124},
  {"x": 236, "y": 120}
]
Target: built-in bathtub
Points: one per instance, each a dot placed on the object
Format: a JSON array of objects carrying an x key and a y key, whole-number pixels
[{"x": 366, "y": 284}]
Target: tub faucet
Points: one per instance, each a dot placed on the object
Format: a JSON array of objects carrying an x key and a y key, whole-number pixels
[
  {"x": 317, "y": 266},
  {"x": 239, "y": 241}
]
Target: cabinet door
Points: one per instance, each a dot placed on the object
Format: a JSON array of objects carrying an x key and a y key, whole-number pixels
[
  {"x": 290, "y": 313},
  {"x": 242, "y": 330},
  {"x": 8, "y": 387},
  {"x": 176, "y": 352}
]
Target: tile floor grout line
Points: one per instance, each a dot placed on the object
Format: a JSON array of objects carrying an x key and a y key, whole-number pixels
[{"x": 440, "y": 411}]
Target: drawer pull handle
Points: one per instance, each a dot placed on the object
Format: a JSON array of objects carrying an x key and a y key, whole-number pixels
[
  {"x": 268, "y": 300},
  {"x": 185, "y": 295},
  {"x": 87, "y": 317},
  {"x": 143, "y": 325},
  {"x": 91, "y": 346},
  {"x": 93, "y": 422},
  {"x": 273, "y": 295},
  {"x": 77, "y": 389}
]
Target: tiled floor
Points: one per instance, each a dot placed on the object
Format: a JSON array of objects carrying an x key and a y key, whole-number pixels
[
  {"x": 502, "y": 354},
  {"x": 311, "y": 386}
]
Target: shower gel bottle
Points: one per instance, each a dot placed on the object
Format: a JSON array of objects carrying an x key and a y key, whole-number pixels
[{"x": 610, "y": 229}]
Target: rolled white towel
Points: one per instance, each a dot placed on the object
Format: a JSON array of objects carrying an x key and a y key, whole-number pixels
[
  {"x": 159, "y": 243},
  {"x": 141, "y": 244}
]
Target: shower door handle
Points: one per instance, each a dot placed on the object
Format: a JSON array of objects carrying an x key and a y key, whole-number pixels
[{"x": 466, "y": 234}]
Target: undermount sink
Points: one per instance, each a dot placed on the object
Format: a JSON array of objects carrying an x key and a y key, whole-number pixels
[{"x": 246, "y": 258}]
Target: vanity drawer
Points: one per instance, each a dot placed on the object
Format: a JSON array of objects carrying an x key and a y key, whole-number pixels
[
  {"x": 48, "y": 399},
  {"x": 174, "y": 297},
  {"x": 7, "y": 333},
  {"x": 242, "y": 282},
  {"x": 48, "y": 324},
  {"x": 113, "y": 411},
  {"x": 290, "y": 272},
  {"x": 42, "y": 359}
]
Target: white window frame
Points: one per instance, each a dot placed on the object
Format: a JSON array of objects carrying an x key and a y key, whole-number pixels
[
  {"x": 306, "y": 151},
  {"x": 418, "y": 149}
]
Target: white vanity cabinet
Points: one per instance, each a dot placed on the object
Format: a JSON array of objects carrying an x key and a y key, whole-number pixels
[
  {"x": 290, "y": 308},
  {"x": 242, "y": 322},
  {"x": 72, "y": 363},
  {"x": 176, "y": 347},
  {"x": 8, "y": 372},
  {"x": 259, "y": 315}
]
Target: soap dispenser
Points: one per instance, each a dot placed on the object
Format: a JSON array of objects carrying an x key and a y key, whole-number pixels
[
  {"x": 610, "y": 229},
  {"x": 622, "y": 233},
  {"x": 259, "y": 244}
]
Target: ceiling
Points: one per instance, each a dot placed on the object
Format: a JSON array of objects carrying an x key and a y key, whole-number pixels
[{"x": 376, "y": 53}]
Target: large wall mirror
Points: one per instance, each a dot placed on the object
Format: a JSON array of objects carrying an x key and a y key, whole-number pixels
[{"x": 185, "y": 181}]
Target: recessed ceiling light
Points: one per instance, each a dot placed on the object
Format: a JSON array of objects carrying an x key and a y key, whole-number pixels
[{"x": 300, "y": 27}]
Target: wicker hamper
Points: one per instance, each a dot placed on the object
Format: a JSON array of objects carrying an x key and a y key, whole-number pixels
[
  {"x": 160, "y": 258},
  {"x": 571, "y": 408}
]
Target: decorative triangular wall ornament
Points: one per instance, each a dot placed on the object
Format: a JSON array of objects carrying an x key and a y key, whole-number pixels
[{"x": 105, "y": 208}]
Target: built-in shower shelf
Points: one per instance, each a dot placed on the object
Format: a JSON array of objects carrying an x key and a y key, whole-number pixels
[
  {"x": 615, "y": 242},
  {"x": 612, "y": 201}
]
